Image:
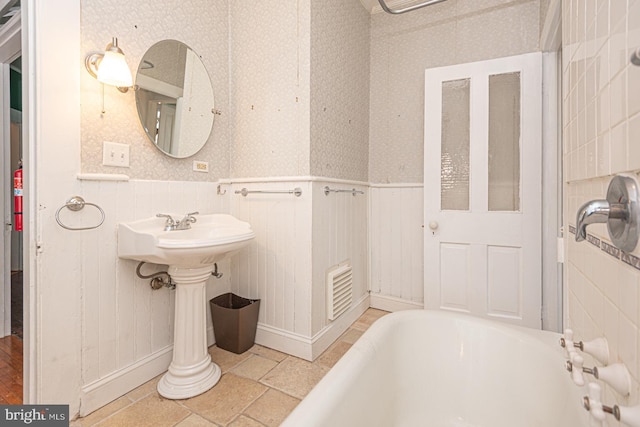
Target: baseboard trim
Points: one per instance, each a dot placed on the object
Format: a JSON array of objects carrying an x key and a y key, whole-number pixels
[
  {"x": 387, "y": 303},
  {"x": 309, "y": 348},
  {"x": 98, "y": 393},
  {"x": 332, "y": 332},
  {"x": 107, "y": 389}
]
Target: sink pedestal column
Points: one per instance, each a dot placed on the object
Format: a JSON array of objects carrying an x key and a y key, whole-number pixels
[{"x": 191, "y": 371}]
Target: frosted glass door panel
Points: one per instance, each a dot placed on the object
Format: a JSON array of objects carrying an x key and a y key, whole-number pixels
[
  {"x": 454, "y": 155},
  {"x": 504, "y": 142}
]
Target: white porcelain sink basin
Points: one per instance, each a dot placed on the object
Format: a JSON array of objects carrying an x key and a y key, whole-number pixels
[{"x": 210, "y": 239}]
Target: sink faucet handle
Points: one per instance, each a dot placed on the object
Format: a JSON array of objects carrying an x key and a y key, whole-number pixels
[
  {"x": 190, "y": 216},
  {"x": 170, "y": 220}
]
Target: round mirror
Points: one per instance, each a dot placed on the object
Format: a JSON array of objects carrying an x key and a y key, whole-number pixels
[{"x": 174, "y": 98}]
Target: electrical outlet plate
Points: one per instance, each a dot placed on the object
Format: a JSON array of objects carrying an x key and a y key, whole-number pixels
[
  {"x": 200, "y": 166},
  {"x": 114, "y": 154}
]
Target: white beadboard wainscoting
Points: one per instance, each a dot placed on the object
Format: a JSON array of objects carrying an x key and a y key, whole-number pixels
[
  {"x": 297, "y": 240},
  {"x": 127, "y": 328},
  {"x": 396, "y": 246}
]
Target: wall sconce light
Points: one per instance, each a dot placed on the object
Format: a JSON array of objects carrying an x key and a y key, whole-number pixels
[{"x": 110, "y": 67}]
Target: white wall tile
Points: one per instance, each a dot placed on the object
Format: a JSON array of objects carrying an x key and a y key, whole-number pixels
[
  {"x": 603, "y": 295},
  {"x": 618, "y": 99},
  {"x": 634, "y": 140},
  {"x": 618, "y": 150},
  {"x": 628, "y": 344},
  {"x": 603, "y": 148},
  {"x": 628, "y": 281}
]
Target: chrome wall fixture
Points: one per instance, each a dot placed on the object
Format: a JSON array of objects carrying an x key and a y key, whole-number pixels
[
  {"x": 620, "y": 211},
  {"x": 635, "y": 57},
  {"x": 387, "y": 9},
  {"x": 296, "y": 191},
  {"x": 353, "y": 191},
  {"x": 159, "y": 280},
  {"x": 75, "y": 204}
]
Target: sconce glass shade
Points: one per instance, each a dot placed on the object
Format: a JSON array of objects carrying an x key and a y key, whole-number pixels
[
  {"x": 113, "y": 70},
  {"x": 110, "y": 67}
]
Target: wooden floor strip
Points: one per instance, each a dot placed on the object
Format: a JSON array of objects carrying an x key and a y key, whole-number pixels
[{"x": 10, "y": 370}]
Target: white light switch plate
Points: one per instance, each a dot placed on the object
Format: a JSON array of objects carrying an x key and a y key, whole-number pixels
[{"x": 114, "y": 154}]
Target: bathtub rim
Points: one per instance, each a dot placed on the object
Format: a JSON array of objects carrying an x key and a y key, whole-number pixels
[{"x": 324, "y": 396}]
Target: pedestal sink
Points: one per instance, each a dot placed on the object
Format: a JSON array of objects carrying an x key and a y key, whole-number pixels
[{"x": 190, "y": 255}]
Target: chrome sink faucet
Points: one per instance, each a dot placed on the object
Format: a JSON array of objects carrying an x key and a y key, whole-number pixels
[{"x": 184, "y": 224}]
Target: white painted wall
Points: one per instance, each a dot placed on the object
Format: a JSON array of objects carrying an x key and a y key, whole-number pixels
[
  {"x": 127, "y": 328},
  {"x": 339, "y": 233},
  {"x": 297, "y": 240},
  {"x": 52, "y": 153},
  {"x": 396, "y": 246}
]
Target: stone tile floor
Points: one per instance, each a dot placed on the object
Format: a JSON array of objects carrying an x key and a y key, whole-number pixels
[{"x": 258, "y": 388}]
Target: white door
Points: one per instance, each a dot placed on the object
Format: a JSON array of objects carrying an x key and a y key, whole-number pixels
[{"x": 482, "y": 173}]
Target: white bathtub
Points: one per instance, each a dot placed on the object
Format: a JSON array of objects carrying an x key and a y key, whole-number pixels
[{"x": 434, "y": 368}]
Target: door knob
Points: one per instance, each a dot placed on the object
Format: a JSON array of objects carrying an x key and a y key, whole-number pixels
[{"x": 433, "y": 225}]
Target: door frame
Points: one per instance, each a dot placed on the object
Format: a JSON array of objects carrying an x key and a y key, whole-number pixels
[
  {"x": 10, "y": 49},
  {"x": 554, "y": 310}
]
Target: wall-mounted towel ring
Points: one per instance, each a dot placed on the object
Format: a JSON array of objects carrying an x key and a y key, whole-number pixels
[
  {"x": 75, "y": 204},
  {"x": 635, "y": 57},
  {"x": 621, "y": 213}
]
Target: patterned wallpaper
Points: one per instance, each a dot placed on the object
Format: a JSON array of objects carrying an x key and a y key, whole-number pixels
[
  {"x": 403, "y": 46},
  {"x": 340, "y": 89},
  {"x": 299, "y": 88},
  {"x": 201, "y": 24},
  {"x": 270, "y": 88},
  {"x": 297, "y": 101}
]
